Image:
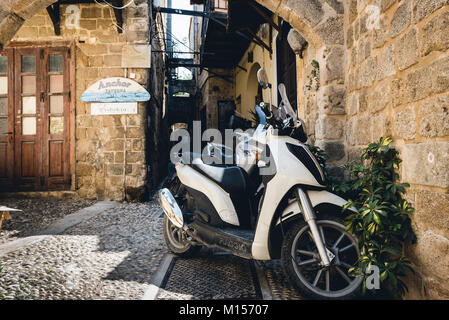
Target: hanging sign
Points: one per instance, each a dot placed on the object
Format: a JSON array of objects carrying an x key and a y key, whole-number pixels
[{"x": 115, "y": 90}]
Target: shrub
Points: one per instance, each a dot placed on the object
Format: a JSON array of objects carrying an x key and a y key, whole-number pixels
[{"x": 382, "y": 224}]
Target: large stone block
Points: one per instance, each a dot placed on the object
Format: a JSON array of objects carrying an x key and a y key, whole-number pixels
[
  {"x": 361, "y": 131},
  {"x": 331, "y": 100},
  {"x": 353, "y": 104},
  {"x": 332, "y": 66},
  {"x": 419, "y": 83},
  {"x": 9, "y": 27},
  {"x": 386, "y": 63},
  {"x": 384, "y": 4},
  {"x": 401, "y": 18},
  {"x": 434, "y": 117},
  {"x": 405, "y": 123},
  {"x": 84, "y": 169},
  {"x": 397, "y": 92},
  {"x": 380, "y": 97},
  {"x": 328, "y": 127},
  {"x": 352, "y": 10},
  {"x": 432, "y": 211},
  {"x": 426, "y": 163},
  {"x": 435, "y": 34},
  {"x": 432, "y": 252},
  {"x": 363, "y": 100},
  {"x": 381, "y": 34},
  {"x": 91, "y": 12},
  {"x": 424, "y": 8},
  {"x": 27, "y": 8},
  {"x": 364, "y": 49},
  {"x": 311, "y": 11},
  {"x": 335, "y": 150},
  {"x": 331, "y": 30},
  {"x": 380, "y": 127},
  {"x": 368, "y": 73},
  {"x": 407, "y": 49}
]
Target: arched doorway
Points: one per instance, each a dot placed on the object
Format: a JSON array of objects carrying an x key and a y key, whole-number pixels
[
  {"x": 254, "y": 90},
  {"x": 286, "y": 65}
]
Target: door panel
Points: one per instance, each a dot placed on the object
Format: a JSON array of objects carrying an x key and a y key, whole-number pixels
[
  {"x": 28, "y": 113},
  {"x": 6, "y": 120},
  {"x": 56, "y": 152},
  {"x": 3, "y": 160},
  {"x": 286, "y": 65},
  {"x": 35, "y": 114}
]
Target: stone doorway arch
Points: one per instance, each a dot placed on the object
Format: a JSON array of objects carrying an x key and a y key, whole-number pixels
[
  {"x": 321, "y": 24},
  {"x": 13, "y": 14}
]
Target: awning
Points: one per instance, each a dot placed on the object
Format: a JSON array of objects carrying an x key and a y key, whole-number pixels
[
  {"x": 247, "y": 14},
  {"x": 229, "y": 37}
]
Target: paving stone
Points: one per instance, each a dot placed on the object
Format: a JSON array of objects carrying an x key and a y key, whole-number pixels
[{"x": 111, "y": 256}]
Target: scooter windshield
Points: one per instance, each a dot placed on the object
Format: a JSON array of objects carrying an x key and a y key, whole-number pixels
[{"x": 285, "y": 103}]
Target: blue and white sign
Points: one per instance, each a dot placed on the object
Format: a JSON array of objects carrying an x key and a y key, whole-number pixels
[
  {"x": 115, "y": 108},
  {"x": 115, "y": 90}
]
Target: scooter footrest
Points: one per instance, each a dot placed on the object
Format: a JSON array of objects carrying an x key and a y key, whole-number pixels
[{"x": 236, "y": 241}]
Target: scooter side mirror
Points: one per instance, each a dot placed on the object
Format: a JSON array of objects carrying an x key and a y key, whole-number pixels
[{"x": 262, "y": 78}]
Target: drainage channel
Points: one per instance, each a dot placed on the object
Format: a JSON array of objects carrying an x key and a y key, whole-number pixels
[{"x": 215, "y": 275}]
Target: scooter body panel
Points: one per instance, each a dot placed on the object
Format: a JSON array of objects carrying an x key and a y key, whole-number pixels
[
  {"x": 218, "y": 197},
  {"x": 290, "y": 172}
]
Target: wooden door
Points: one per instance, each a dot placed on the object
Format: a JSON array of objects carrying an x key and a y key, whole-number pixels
[
  {"x": 35, "y": 153},
  {"x": 6, "y": 120},
  {"x": 286, "y": 65},
  {"x": 56, "y": 119},
  {"x": 28, "y": 119}
]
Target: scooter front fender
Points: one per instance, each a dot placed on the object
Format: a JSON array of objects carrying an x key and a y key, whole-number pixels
[
  {"x": 260, "y": 246},
  {"x": 316, "y": 198}
]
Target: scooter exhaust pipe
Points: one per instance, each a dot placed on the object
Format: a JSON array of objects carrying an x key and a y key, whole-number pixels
[{"x": 171, "y": 208}]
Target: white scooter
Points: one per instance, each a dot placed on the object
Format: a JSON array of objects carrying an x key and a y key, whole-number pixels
[{"x": 295, "y": 218}]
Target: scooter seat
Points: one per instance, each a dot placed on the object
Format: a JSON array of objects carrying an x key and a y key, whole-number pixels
[{"x": 231, "y": 179}]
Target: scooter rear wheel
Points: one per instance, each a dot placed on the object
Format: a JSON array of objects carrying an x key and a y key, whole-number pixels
[
  {"x": 176, "y": 240},
  {"x": 302, "y": 263}
]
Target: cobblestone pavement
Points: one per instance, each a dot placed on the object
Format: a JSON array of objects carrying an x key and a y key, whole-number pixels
[
  {"x": 115, "y": 254},
  {"x": 37, "y": 214},
  {"x": 111, "y": 256}
]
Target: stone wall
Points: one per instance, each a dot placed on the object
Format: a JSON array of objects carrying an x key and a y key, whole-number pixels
[
  {"x": 397, "y": 64},
  {"x": 213, "y": 88},
  {"x": 384, "y": 71},
  {"x": 110, "y": 151}
]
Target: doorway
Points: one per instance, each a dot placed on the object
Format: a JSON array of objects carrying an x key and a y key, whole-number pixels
[
  {"x": 286, "y": 65},
  {"x": 35, "y": 118}
]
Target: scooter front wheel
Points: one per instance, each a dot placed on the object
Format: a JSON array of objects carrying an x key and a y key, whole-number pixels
[
  {"x": 302, "y": 264},
  {"x": 176, "y": 240}
]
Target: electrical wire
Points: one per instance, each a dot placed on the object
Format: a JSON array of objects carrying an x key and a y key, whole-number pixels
[
  {"x": 174, "y": 37},
  {"x": 114, "y": 7}
]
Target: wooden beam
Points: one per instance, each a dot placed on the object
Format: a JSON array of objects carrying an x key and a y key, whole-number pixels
[
  {"x": 259, "y": 41},
  {"x": 118, "y": 14},
  {"x": 54, "y": 13},
  {"x": 264, "y": 15}
]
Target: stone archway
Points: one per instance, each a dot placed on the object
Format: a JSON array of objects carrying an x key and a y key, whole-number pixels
[
  {"x": 13, "y": 14},
  {"x": 321, "y": 23}
]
